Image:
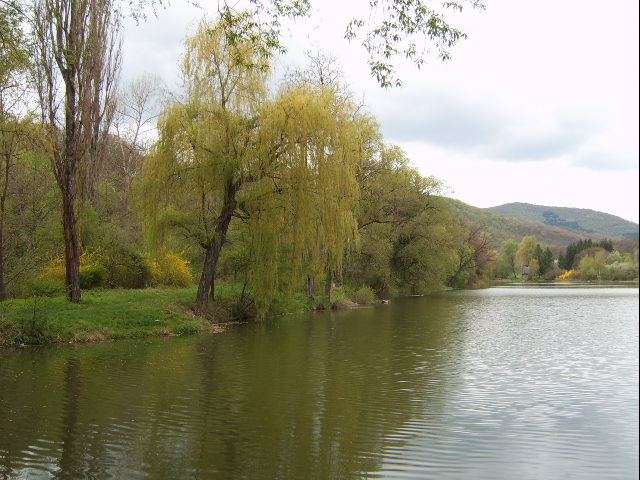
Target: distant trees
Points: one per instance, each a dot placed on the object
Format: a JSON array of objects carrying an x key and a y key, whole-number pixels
[
  {"x": 404, "y": 244},
  {"x": 589, "y": 260},
  {"x": 526, "y": 253},
  {"x": 474, "y": 259},
  {"x": 583, "y": 260},
  {"x": 410, "y": 241},
  {"x": 529, "y": 252},
  {"x": 567, "y": 260},
  {"x": 137, "y": 109},
  {"x": 506, "y": 263}
]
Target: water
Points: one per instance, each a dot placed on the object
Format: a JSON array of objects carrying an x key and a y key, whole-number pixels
[{"x": 504, "y": 383}]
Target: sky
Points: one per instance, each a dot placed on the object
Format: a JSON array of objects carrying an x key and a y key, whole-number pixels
[{"x": 538, "y": 105}]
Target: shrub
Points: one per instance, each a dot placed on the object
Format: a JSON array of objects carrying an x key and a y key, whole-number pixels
[
  {"x": 128, "y": 269},
  {"x": 364, "y": 295},
  {"x": 552, "y": 273},
  {"x": 44, "y": 287},
  {"x": 93, "y": 273},
  {"x": 170, "y": 270},
  {"x": 623, "y": 271},
  {"x": 339, "y": 298},
  {"x": 35, "y": 327},
  {"x": 35, "y": 330},
  {"x": 569, "y": 274},
  {"x": 92, "y": 276}
]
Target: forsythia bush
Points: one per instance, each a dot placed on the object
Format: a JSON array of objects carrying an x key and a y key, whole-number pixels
[
  {"x": 567, "y": 275},
  {"x": 170, "y": 270},
  {"x": 93, "y": 273}
]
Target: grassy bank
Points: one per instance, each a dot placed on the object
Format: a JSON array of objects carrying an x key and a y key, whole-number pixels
[
  {"x": 113, "y": 314},
  {"x": 102, "y": 315}
]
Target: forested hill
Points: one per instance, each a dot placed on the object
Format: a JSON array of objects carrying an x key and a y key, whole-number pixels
[
  {"x": 501, "y": 227},
  {"x": 581, "y": 220}
]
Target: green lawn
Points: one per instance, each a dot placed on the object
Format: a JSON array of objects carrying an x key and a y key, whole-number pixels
[{"x": 102, "y": 314}]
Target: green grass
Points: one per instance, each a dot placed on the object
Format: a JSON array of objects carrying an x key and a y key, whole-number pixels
[
  {"x": 113, "y": 314},
  {"x": 101, "y": 315}
]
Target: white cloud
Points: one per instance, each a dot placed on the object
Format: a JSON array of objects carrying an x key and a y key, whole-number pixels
[{"x": 539, "y": 105}]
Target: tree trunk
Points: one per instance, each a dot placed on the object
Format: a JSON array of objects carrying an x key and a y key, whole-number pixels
[
  {"x": 67, "y": 186},
  {"x": 311, "y": 286},
  {"x": 3, "y": 198},
  {"x": 328, "y": 284},
  {"x": 71, "y": 249},
  {"x": 206, "y": 284},
  {"x": 3, "y": 289},
  {"x": 213, "y": 249}
]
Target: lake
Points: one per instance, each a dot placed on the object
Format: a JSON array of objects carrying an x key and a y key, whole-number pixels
[{"x": 510, "y": 382}]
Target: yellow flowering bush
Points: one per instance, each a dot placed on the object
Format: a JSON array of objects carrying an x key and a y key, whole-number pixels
[
  {"x": 93, "y": 273},
  {"x": 170, "y": 270},
  {"x": 567, "y": 275}
]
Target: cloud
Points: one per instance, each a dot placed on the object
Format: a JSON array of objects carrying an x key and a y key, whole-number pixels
[
  {"x": 440, "y": 118},
  {"x": 532, "y": 138},
  {"x": 155, "y": 45},
  {"x": 556, "y": 105},
  {"x": 480, "y": 125},
  {"x": 613, "y": 149}
]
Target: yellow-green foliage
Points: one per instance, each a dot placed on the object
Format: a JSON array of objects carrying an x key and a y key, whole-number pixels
[
  {"x": 311, "y": 142},
  {"x": 170, "y": 270},
  {"x": 526, "y": 250},
  {"x": 206, "y": 144},
  {"x": 288, "y": 164},
  {"x": 93, "y": 273},
  {"x": 601, "y": 265},
  {"x": 593, "y": 267},
  {"x": 364, "y": 295}
]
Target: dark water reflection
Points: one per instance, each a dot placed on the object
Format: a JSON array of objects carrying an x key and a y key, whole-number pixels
[{"x": 500, "y": 383}]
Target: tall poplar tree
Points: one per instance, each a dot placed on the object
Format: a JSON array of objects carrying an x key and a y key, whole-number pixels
[{"x": 78, "y": 56}]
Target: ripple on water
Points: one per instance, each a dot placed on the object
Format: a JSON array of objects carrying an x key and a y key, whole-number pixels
[{"x": 497, "y": 384}]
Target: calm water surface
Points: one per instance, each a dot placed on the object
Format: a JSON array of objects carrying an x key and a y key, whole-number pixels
[{"x": 503, "y": 383}]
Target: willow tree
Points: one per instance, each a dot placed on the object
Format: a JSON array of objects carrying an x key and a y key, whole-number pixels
[
  {"x": 304, "y": 200},
  {"x": 226, "y": 151},
  {"x": 78, "y": 55}
]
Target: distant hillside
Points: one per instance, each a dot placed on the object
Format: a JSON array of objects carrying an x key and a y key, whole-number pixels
[
  {"x": 585, "y": 221},
  {"x": 501, "y": 227}
]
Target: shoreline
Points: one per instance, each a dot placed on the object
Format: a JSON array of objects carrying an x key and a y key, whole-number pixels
[{"x": 114, "y": 314}]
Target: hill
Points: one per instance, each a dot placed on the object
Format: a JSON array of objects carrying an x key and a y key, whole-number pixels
[
  {"x": 582, "y": 220},
  {"x": 501, "y": 227}
]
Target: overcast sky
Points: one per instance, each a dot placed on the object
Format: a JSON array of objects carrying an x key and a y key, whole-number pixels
[{"x": 538, "y": 105}]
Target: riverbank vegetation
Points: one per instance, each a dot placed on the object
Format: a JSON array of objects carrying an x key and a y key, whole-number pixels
[
  {"x": 230, "y": 200},
  {"x": 102, "y": 315},
  {"x": 286, "y": 193}
]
